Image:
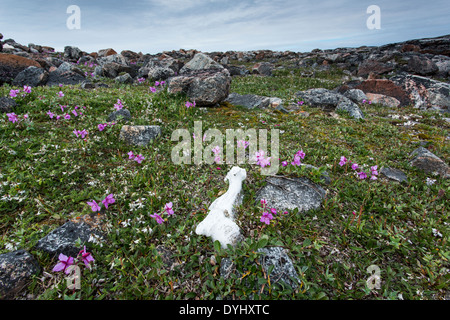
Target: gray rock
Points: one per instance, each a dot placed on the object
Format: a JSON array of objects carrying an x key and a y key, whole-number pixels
[
  {"x": 72, "y": 53},
  {"x": 62, "y": 239},
  {"x": 250, "y": 101},
  {"x": 139, "y": 135},
  {"x": 291, "y": 193},
  {"x": 263, "y": 68},
  {"x": 16, "y": 269},
  {"x": 7, "y": 104},
  {"x": 205, "y": 87},
  {"x": 352, "y": 108},
  {"x": 356, "y": 95},
  {"x": 200, "y": 62},
  {"x": 394, "y": 174},
  {"x": 116, "y": 58},
  {"x": 123, "y": 113},
  {"x": 125, "y": 79},
  {"x": 428, "y": 162},
  {"x": 31, "y": 76},
  {"x": 64, "y": 77},
  {"x": 276, "y": 257},
  {"x": 422, "y": 66},
  {"x": 158, "y": 72}
]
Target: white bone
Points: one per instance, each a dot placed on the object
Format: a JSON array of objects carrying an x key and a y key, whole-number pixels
[{"x": 219, "y": 224}]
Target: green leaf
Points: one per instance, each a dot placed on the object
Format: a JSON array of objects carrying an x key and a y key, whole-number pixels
[{"x": 262, "y": 242}]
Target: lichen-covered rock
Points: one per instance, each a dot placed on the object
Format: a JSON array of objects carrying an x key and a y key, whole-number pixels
[
  {"x": 250, "y": 101},
  {"x": 16, "y": 269},
  {"x": 200, "y": 62},
  {"x": 139, "y": 135},
  {"x": 63, "y": 239},
  {"x": 7, "y": 104},
  {"x": 428, "y": 162},
  {"x": 123, "y": 114},
  {"x": 31, "y": 76},
  {"x": 291, "y": 193},
  {"x": 394, "y": 174}
]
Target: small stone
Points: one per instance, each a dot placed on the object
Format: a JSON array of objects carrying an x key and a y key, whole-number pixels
[
  {"x": 139, "y": 135},
  {"x": 394, "y": 174}
]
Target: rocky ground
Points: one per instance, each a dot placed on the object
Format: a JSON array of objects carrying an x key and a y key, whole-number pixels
[{"x": 412, "y": 74}]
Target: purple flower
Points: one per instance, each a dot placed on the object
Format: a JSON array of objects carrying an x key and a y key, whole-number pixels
[
  {"x": 157, "y": 217},
  {"x": 273, "y": 210},
  {"x": 354, "y": 166},
  {"x": 75, "y": 113},
  {"x": 13, "y": 93},
  {"x": 139, "y": 158},
  {"x": 156, "y": 83},
  {"x": 284, "y": 163},
  {"x": 266, "y": 217},
  {"x": 63, "y": 264},
  {"x": 60, "y": 94},
  {"x": 12, "y": 117},
  {"x": 343, "y": 161},
  {"x": 189, "y": 104},
  {"x": 152, "y": 89},
  {"x": 130, "y": 155},
  {"x": 94, "y": 205},
  {"x": 67, "y": 116},
  {"x": 168, "y": 208},
  {"x": 108, "y": 200},
  {"x": 301, "y": 154},
  {"x": 216, "y": 150},
  {"x": 101, "y": 126},
  {"x": 118, "y": 105},
  {"x": 296, "y": 161},
  {"x": 263, "y": 203},
  {"x": 27, "y": 89},
  {"x": 86, "y": 257},
  {"x": 362, "y": 175}
]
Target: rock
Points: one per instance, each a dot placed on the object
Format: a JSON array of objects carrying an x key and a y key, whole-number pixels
[
  {"x": 385, "y": 87},
  {"x": 124, "y": 114},
  {"x": 237, "y": 70},
  {"x": 11, "y": 65},
  {"x": 205, "y": 87},
  {"x": 373, "y": 66},
  {"x": 106, "y": 52},
  {"x": 66, "y": 66},
  {"x": 58, "y": 77},
  {"x": 87, "y": 85},
  {"x": 356, "y": 95},
  {"x": 443, "y": 65},
  {"x": 125, "y": 79},
  {"x": 31, "y": 76},
  {"x": 394, "y": 174},
  {"x": 220, "y": 223},
  {"x": 283, "y": 269},
  {"x": 157, "y": 71},
  {"x": 250, "y": 101},
  {"x": 111, "y": 69},
  {"x": 200, "y": 62},
  {"x": 422, "y": 66},
  {"x": 72, "y": 53},
  {"x": 423, "y": 92},
  {"x": 16, "y": 269},
  {"x": 350, "y": 107},
  {"x": 116, "y": 58},
  {"x": 386, "y": 101},
  {"x": 263, "y": 68},
  {"x": 291, "y": 193},
  {"x": 63, "y": 239},
  {"x": 428, "y": 162},
  {"x": 131, "y": 56},
  {"x": 7, "y": 104},
  {"x": 139, "y": 135},
  {"x": 328, "y": 99}
]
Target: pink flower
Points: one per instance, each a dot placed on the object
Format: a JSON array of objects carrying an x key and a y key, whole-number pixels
[
  {"x": 152, "y": 89},
  {"x": 354, "y": 166},
  {"x": 284, "y": 163},
  {"x": 130, "y": 155},
  {"x": 67, "y": 116},
  {"x": 139, "y": 158},
  {"x": 60, "y": 94},
  {"x": 263, "y": 203},
  {"x": 189, "y": 104},
  {"x": 27, "y": 89},
  {"x": 94, "y": 206},
  {"x": 157, "y": 217},
  {"x": 296, "y": 161},
  {"x": 13, "y": 93},
  {"x": 64, "y": 263},
  {"x": 168, "y": 208},
  {"x": 343, "y": 161},
  {"x": 285, "y": 212},
  {"x": 101, "y": 127},
  {"x": 301, "y": 154},
  {"x": 86, "y": 257},
  {"x": 50, "y": 114},
  {"x": 108, "y": 200},
  {"x": 266, "y": 217},
  {"x": 12, "y": 117},
  {"x": 156, "y": 83},
  {"x": 118, "y": 105},
  {"x": 273, "y": 210},
  {"x": 362, "y": 175}
]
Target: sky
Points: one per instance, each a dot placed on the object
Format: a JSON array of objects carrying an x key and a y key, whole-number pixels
[{"x": 154, "y": 26}]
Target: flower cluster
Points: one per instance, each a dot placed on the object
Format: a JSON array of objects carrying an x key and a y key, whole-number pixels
[
  {"x": 102, "y": 126},
  {"x": 167, "y": 208},
  {"x": 136, "y": 157},
  {"x": 75, "y": 112},
  {"x": 109, "y": 199},
  {"x": 189, "y": 104},
  {"x": 118, "y": 105},
  {"x": 14, "y": 92},
  {"x": 299, "y": 155},
  {"x": 15, "y": 118},
  {"x": 216, "y": 151},
  {"x": 261, "y": 160},
  {"x": 83, "y": 133},
  {"x": 268, "y": 215},
  {"x": 362, "y": 175},
  {"x": 65, "y": 262}
]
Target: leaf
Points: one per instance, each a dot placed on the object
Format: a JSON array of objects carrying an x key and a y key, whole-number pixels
[
  {"x": 262, "y": 242},
  {"x": 217, "y": 246}
]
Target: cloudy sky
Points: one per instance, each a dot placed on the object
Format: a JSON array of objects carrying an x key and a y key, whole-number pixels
[{"x": 152, "y": 26}]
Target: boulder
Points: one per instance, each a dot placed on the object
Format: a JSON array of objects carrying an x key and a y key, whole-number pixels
[
  {"x": 16, "y": 270},
  {"x": 291, "y": 193},
  {"x": 125, "y": 79},
  {"x": 250, "y": 101},
  {"x": 63, "y": 239},
  {"x": 139, "y": 135},
  {"x": 422, "y": 66},
  {"x": 205, "y": 87},
  {"x": 200, "y": 62},
  {"x": 373, "y": 66},
  {"x": 31, "y": 76},
  {"x": 7, "y": 104},
  {"x": 394, "y": 174},
  {"x": 386, "y": 101},
  {"x": 58, "y": 77},
  {"x": 124, "y": 114},
  {"x": 423, "y": 92},
  {"x": 72, "y": 53},
  {"x": 11, "y": 65},
  {"x": 356, "y": 95},
  {"x": 263, "y": 68},
  {"x": 106, "y": 52},
  {"x": 428, "y": 162},
  {"x": 385, "y": 87}
]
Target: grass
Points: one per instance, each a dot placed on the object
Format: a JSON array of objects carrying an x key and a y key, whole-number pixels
[{"x": 47, "y": 175}]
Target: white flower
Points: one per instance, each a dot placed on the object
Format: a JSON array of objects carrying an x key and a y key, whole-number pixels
[
  {"x": 436, "y": 233},
  {"x": 430, "y": 182}
]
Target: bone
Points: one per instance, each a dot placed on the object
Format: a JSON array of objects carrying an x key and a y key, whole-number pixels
[{"x": 220, "y": 223}]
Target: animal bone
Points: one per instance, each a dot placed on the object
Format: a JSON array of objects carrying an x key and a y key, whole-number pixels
[{"x": 219, "y": 223}]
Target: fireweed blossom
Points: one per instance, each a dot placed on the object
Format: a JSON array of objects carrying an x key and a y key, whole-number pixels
[
  {"x": 157, "y": 217},
  {"x": 94, "y": 206},
  {"x": 343, "y": 161},
  {"x": 86, "y": 257},
  {"x": 64, "y": 263},
  {"x": 27, "y": 89},
  {"x": 118, "y": 105},
  {"x": 266, "y": 217},
  {"x": 13, "y": 93},
  {"x": 139, "y": 158},
  {"x": 168, "y": 208},
  {"x": 108, "y": 200},
  {"x": 12, "y": 117}
]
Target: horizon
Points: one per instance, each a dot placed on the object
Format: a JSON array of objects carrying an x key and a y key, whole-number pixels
[{"x": 155, "y": 26}]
